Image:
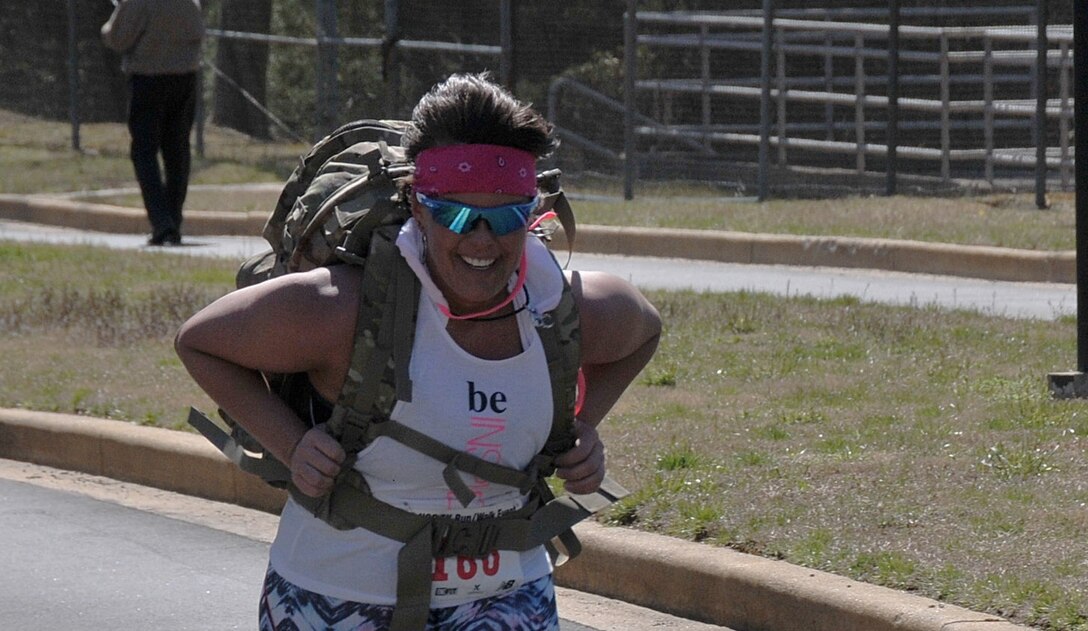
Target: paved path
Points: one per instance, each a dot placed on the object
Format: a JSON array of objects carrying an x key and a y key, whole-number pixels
[
  {"x": 1012, "y": 299},
  {"x": 85, "y": 552}
]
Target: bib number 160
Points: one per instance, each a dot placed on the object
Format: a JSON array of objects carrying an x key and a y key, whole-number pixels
[{"x": 467, "y": 567}]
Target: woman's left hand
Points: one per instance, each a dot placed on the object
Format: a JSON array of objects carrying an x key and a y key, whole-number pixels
[{"x": 583, "y": 466}]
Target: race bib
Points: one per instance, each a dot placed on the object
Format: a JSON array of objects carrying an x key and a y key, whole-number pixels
[{"x": 458, "y": 578}]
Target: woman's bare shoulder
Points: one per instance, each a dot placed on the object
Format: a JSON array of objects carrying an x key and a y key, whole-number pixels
[{"x": 615, "y": 317}]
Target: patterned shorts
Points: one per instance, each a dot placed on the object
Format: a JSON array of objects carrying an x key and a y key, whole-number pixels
[{"x": 287, "y": 607}]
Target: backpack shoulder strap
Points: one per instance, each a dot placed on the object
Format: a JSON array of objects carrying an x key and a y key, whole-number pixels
[
  {"x": 384, "y": 334},
  {"x": 561, "y": 337}
]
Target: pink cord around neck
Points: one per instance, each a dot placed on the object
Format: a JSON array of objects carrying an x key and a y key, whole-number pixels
[
  {"x": 517, "y": 289},
  {"x": 541, "y": 219}
]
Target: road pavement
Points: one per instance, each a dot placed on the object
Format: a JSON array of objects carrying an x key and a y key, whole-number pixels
[
  {"x": 1002, "y": 298},
  {"x": 86, "y": 552}
]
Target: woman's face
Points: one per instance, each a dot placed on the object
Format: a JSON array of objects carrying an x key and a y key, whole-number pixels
[{"x": 471, "y": 270}]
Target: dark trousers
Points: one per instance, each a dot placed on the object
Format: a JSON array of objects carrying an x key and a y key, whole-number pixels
[{"x": 160, "y": 117}]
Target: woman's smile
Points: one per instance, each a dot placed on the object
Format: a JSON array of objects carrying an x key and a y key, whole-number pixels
[
  {"x": 477, "y": 263},
  {"x": 472, "y": 270}
]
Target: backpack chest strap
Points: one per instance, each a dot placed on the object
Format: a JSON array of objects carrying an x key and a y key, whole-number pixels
[{"x": 457, "y": 461}]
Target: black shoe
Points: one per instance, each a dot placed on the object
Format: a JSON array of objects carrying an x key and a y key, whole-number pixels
[{"x": 167, "y": 239}]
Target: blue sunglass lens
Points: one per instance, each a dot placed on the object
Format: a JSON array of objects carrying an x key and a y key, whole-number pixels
[{"x": 460, "y": 218}]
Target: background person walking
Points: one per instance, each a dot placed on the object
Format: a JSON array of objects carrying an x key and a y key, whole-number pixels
[{"x": 160, "y": 43}]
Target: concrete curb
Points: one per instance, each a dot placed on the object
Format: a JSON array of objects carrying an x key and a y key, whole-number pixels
[
  {"x": 990, "y": 263},
  {"x": 691, "y": 580},
  {"x": 121, "y": 220}
]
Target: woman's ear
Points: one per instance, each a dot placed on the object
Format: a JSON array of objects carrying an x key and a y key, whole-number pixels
[{"x": 417, "y": 210}]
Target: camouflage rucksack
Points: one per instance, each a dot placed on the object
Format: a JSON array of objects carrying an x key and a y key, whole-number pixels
[{"x": 344, "y": 204}]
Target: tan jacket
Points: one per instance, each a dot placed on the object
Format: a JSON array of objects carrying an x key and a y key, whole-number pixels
[{"x": 156, "y": 36}]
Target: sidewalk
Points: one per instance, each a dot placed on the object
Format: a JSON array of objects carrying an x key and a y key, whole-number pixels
[
  {"x": 983, "y": 262},
  {"x": 715, "y": 585}
]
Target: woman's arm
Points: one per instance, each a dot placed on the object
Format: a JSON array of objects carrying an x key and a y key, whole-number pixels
[
  {"x": 620, "y": 331},
  {"x": 295, "y": 323}
]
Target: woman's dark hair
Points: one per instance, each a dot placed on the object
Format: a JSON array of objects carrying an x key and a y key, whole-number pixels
[{"x": 471, "y": 109}]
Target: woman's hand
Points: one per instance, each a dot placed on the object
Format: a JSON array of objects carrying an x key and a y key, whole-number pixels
[
  {"x": 582, "y": 467},
  {"x": 315, "y": 462}
]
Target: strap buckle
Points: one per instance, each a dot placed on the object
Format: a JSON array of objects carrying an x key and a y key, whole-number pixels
[{"x": 468, "y": 539}]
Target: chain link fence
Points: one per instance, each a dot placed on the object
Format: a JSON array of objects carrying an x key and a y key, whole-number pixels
[{"x": 701, "y": 105}]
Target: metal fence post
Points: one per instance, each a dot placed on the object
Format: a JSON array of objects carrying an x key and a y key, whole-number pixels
[
  {"x": 73, "y": 75},
  {"x": 1080, "y": 173},
  {"x": 1041, "y": 45},
  {"x": 946, "y": 97},
  {"x": 829, "y": 83},
  {"x": 988, "y": 106},
  {"x": 1063, "y": 120},
  {"x": 630, "y": 54},
  {"x": 390, "y": 65},
  {"x": 1067, "y": 385},
  {"x": 704, "y": 59},
  {"x": 859, "y": 101},
  {"x": 892, "y": 161},
  {"x": 780, "y": 72},
  {"x": 506, "y": 42},
  {"x": 327, "y": 67},
  {"x": 765, "y": 99}
]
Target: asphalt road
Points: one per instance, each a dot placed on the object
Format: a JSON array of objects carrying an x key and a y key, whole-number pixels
[
  {"x": 74, "y": 562},
  {"x": 1010, "y": 299},
  {"x": 85, "y": 552}
]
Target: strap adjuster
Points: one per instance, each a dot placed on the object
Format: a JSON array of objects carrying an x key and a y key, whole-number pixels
[{"x": 468, "y": 539}]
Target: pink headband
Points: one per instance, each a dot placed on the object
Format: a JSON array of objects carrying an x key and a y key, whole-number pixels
[{"x": 475, "y": 169}]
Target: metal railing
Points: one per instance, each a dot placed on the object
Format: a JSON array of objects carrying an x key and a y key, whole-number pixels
[
  {"x": 990, "y": 108},
  {"x": 978, "y": 82}
]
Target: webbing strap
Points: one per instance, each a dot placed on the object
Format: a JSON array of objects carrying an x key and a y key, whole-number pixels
[
  {"x": 380, "y": 336},
  {"x": 455, "y": 460},
  {"x": 268, "y": 468},
  {"x": 404, "y": 329},
  {"x": 374, "y": 340},
  {"x": 351, "y": 505},
  {"x": 559, "y": 337},
  {"x": 413, "y": 582}
]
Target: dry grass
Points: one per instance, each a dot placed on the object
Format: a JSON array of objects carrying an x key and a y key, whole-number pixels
[
  {"x": 88, "y": 331},
  {"x": 36, "y": 157},
  {"x": 912, "y": 448},
  {"x": 1003, "y": 220}
]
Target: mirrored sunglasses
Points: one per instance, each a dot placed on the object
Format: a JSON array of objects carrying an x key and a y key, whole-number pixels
[{"x": 461, "y": 217}]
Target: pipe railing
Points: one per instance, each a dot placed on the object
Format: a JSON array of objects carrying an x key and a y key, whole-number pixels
[{"x": 794, "y": 37}]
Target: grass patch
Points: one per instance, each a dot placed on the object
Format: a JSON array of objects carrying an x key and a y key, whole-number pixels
[
  {"x": 88, "y": 330},
  {"x": 913, "y": 448},
  {"x": 36, "y": 157}
]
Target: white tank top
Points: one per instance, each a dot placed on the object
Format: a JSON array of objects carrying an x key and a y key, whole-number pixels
[{"x": 499, "y": 410}]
